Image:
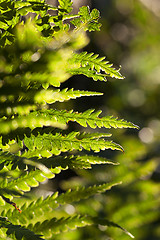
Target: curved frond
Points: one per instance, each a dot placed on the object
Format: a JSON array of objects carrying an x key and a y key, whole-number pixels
[
  {"x": 36, "y": 208},
  {"x": 90, "y": 63},
  {"x": 89, "y": 117}
]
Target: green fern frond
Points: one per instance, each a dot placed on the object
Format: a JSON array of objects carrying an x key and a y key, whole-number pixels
[
  {"x": 64, "y": 224},
  {"x": 90, "y": 63},
  {"x": 52, "y": 96},
  {"x": 7, "y": 14},
  {"x": 36, "y": 208},
  {"x": 60, "y": 225},
  {"x": 75, "y": 162},
  {"x": 59, "y": 119},
  {"x": 12, "y": 162},
  {"x": 65, "y": 162},
  {"x": 55, "y": 144},
  {"x": 16, "y": 231},
  {"x": 32, "y": 211},
  {"x": 89, "y": 117}
]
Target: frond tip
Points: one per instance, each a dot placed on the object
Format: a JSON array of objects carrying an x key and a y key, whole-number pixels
[{"x": 92, "y": 65}]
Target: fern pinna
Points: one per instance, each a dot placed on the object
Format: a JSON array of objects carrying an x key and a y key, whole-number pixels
[{"x": 39, "y": 51}]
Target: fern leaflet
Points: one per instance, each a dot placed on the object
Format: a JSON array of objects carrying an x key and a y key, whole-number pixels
[
  {"x": 55, "y": 144},
  {"x": 94, "y": 64}
]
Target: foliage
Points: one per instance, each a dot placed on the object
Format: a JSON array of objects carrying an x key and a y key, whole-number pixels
[{"x": 39, "y": 51}]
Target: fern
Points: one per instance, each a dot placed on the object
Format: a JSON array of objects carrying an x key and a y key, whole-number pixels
[
  {"x": 55, "y": 144},
  {"x": 36, "y": 142},
  {"x": 64, "y": 224},
  {"x": 59, "y": 119},
  {"x": 52, "y": 96},
  {"x": 91, "y": 65},
  {"x": 36, "y": 208},
  {"x": 10, "y": 162}
]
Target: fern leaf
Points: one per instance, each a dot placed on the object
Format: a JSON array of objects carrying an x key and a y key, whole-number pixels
[
  {"x": 59, "y": 225},
  {"x": 36, "y": 208},
  {"x": 16, "y": 231},
  {"x": 74, "y": 162},
  {"x": 89, "y": 117},
  {"x": 64, "y": 224},
  {"x": 11, "y": 162},
  {"x": 60, "y": 118},
  {"x": 55, "y": 144},
  {"x": 52, "y": 96},
  {"x": 90, "y": 63},
  {"x": 7, "y": 14}
]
